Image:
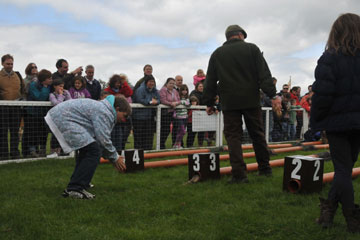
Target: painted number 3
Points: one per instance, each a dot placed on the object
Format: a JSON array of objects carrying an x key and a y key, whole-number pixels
[
  {"x": 212, "y": 162},
  {"x": 297, "y": 162},
  {"x": 196, "y": 159}
]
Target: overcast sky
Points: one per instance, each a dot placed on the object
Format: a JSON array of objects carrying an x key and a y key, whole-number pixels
[{"x": 175, "y": 37}]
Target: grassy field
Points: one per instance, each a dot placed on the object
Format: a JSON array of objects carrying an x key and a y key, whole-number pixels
[{"x": 155, "y": 204}]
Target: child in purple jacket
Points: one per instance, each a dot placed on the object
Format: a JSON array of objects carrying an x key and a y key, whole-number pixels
[
  {"x": 78, "y": 90},
  {"x": 58, "y": 96}
]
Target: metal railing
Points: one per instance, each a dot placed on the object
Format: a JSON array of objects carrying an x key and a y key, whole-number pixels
[{"x": 159, "y": 110}]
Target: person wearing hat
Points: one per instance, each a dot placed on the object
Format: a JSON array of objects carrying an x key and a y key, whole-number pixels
[{"x": 240, "y": 71}]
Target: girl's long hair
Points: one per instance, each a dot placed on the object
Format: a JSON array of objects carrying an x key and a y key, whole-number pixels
[
  {"x": 81, "y": 79},
  {"x": 184, "y": 87},
  {"x": 345, "y": 34}
]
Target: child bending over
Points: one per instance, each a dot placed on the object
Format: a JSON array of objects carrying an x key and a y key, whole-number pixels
[{"x": 85, "y": 125}]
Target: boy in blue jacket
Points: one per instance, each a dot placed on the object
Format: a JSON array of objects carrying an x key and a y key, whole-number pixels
[{"x": 85, "y": 125}]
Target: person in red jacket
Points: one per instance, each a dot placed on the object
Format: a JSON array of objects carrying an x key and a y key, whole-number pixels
[
  {"x": 118, "y": 86},
  {"x": 306, "y": 102},
  {"x": 294, "y": 95}
]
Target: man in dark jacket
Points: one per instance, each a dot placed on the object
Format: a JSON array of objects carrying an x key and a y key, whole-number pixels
[
  {"x": 92, "y": 85},
  {"x": 241, "y": 71},
  {"x": 62, "y": 69}
]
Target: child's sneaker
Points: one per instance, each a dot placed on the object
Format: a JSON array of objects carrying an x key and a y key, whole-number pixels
[
  {"x": 177, "y": 146},
  {"x": 53, "y": 155},
  {"x": 80, "y": 194},
  {"x": 34, "y": 154}
]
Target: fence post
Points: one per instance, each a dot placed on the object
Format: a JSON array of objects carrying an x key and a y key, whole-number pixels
[
  {"x": 267, "y": 125},
  {"x": 305, "y": 122},
  {"x": 158, "y": 127},
  {"x": 217, "y": 134},
  {"x": 221, "y": 129}
]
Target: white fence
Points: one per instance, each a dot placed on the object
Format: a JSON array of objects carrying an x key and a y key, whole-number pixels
[{"x": 21, "y": 122}]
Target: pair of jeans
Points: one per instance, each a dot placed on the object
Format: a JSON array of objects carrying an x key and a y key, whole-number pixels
[
  {"x": 143, "y": 134},
  {"x": 35, "y": 134},
  {"x": 166, "y": 120},
  {"x": 191, "y": 136},
  {"x": 10, "y": 118},
  {"x": 181, "y": 129},
  {"x": 87, "y": 159},
  {"x": 344, "y": 149},
  {"x": 233, "y": 130},
  {"x": 125, "y": 131},
  {"x": 116, "y": 137},
  {"x": 292, "y": 131},
  {"x": 285, "y": 130}
]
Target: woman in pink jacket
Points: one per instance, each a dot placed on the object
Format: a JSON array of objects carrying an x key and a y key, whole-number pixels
[{"x": 170, "y": 97}]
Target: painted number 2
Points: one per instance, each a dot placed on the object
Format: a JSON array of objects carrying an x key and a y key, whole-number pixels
[
  {"x": 317, "y": 166},
  {"x": 294, "y": 173},
  {"x": 297, "y": 162}
]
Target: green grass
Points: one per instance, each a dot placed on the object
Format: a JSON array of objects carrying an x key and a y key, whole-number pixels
[{"x": 155, "y": 204}]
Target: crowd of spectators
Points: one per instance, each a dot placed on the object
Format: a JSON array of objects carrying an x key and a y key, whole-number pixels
[
  {"x": 286, "y": 119},
  {"x": 63, "y": 85}
]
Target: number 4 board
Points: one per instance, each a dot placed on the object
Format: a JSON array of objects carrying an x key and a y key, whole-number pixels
[{"x": 134, "y": 159}]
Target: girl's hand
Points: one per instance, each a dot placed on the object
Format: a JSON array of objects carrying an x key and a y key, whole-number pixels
[
  {"x": 154, "y": 101},
  {"x": 119, "y": 164}
]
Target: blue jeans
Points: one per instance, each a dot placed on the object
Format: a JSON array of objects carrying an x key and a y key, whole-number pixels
[
  {"x": 116, "y": 137},
  {"x": 292, "y": 131},
  {"x": 87, "y": 159},
  {"x": 181, "y": 129},
  {"x": 286, "y": 130}
]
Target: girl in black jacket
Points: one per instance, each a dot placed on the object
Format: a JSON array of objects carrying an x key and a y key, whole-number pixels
[{"x": 336, "y": 109}]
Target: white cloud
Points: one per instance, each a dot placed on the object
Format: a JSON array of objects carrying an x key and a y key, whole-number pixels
[{"x": 44, "y": 46}]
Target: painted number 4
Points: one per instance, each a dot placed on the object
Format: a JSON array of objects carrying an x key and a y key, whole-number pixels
[
  {"x": 297, "y": 162},
  {"x": 136, "y": 157}
]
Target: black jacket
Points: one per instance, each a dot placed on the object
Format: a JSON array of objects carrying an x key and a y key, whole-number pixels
[
  {"x": 67, "y": 78},
  {"x": 237, "y": 70},
  {"x": 199, "y": 96},
  {"x": 336, "y": 99},
  {"x": 94, "y": 89}
]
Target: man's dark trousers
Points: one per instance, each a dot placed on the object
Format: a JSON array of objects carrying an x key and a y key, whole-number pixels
[{"x": 233, "y": 132}]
